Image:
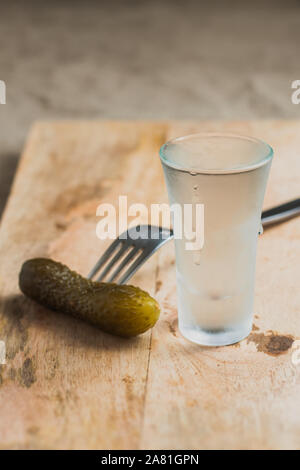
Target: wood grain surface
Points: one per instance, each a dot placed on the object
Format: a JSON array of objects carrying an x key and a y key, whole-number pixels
[{"x": 66, "y": 385}]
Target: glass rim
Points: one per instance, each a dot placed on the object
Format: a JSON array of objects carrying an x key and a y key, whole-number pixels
[{"x": 242, "y": 169}]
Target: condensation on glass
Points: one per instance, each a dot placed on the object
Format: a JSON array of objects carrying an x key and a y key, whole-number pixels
[{"x": 215, "y": 286}]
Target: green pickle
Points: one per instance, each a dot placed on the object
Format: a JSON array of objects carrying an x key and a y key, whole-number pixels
[{"x": 119, "y": 310}]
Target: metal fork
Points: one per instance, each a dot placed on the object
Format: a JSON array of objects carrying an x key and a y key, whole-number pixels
[
  {"x": 281, "y": 213},
  {"x": 133, "y": 247}
]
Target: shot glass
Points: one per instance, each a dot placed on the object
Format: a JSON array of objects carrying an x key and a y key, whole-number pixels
[{"x": 227, "y": 174}]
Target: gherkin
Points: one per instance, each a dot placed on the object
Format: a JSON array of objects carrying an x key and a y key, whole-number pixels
[{"x": 119, "y": 310}]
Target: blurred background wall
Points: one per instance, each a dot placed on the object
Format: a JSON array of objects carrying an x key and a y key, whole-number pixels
[{"x": 146, "y": 59}]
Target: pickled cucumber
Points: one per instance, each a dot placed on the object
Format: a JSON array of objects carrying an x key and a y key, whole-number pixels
[{"x": 118, "y": 310}]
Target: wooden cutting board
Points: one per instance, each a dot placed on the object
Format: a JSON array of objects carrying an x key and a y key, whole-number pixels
[{"x": 67, "y": 385}]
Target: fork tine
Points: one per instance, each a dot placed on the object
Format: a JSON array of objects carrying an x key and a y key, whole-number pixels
[
  {"x": 135, "y": 266},
  {"x": 116, "y": 257},
  {"x": 103, "y": 258},
  {"x": 125, "y": 261}
]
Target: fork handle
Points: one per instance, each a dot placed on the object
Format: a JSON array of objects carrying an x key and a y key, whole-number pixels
[
  {"x": 276, "y": 214},
  {"x": 281, "y": 213}
]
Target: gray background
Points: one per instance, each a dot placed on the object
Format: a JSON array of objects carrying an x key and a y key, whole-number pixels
[{"x": 143, "y": 59}]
